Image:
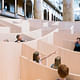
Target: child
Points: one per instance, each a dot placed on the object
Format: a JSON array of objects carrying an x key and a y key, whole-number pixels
[
  {"x": 63, "y": 72},
  {"x": 36, "y": 57},
  {"x": 57, "y": 62}
]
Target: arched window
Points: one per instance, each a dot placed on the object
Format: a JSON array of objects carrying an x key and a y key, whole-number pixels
[
  {"x": 29, "y": 8},
  {"x": 45, "y": 14},
  {"x": 48, "y": 15},
  {"x": 7, "y": 4},
  {"x": 52, "y": 17}
]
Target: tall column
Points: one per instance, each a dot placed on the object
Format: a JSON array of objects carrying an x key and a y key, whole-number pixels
[
  {"x": 32, "y": 11},
  {"x": 38, "y": 9},
  {"x": 25, "y": 8},
  {"x": 2, "y": 5},
  {"x": 68, "y": 10},
  {"x": 15, "y": 11}
]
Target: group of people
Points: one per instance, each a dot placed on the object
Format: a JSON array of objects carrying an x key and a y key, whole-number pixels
[
  {"x": 63, "y": 70},
  {"x": 76, "y": 48},
  {"x": 77, "y": 43}
]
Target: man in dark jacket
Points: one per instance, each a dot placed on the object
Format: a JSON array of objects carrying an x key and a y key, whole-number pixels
[
  {"x": 19, "y": 39},
  {"x": 77, "y": 45}
]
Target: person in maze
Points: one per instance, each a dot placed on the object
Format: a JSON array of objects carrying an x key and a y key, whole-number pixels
[
  {"x": 63, "y": 72},
  {"x": 56, "y": 63},
  {"x": 36, "y": 56},
  {"x": 19, "y": 38},
  {"x": 77, "y": 45}
]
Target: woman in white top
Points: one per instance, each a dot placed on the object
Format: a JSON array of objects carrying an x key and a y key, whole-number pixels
[{"x": 36, "y": 57}]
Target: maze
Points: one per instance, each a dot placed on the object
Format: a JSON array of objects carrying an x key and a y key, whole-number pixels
[{"x": 16, "y": 59}]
